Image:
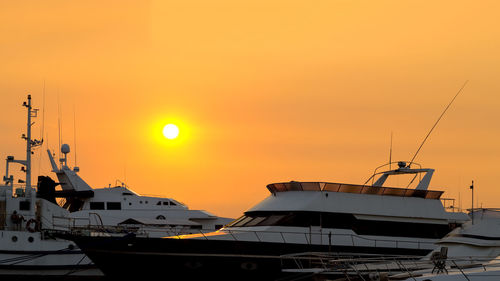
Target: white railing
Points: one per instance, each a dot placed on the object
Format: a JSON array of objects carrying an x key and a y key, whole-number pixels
[
  {"x": 367, "y": 265},
  {"x": 315, "y": 238}
]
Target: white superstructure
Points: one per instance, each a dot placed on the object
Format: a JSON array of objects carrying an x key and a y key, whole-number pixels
[{"x": 350, "y": 217}]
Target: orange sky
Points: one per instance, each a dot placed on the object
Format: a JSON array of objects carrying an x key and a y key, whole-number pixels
[{"x": 262, "y": 92}]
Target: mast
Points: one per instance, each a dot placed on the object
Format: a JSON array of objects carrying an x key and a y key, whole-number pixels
[
  {"x": 30, "y": 144},
  {"x": 28, "y": 147}
]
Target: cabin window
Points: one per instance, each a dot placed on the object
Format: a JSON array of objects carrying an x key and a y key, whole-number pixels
[
  {"x": 172, "y": 204},
  {"x": 272, "y": 220},
  {"x": 255, "y": 221},
  {"x": 343, "y": 221},
  {"x": 236, "y": 221},
  {"x": 196, "y": 227},
  {"x": 165, "y": 203},
  {"x": 114, "y": 205},
  {"x": 159, "y": 203},
  {"x": 218, "y": 226},
  {"x": 243, "y": 221},
  {"x": 97, "y": 205}
]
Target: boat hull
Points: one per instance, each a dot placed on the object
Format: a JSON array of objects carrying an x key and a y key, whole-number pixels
[
  {"x": 194, "y": 259},
  {"x": 33, "y": 255}
]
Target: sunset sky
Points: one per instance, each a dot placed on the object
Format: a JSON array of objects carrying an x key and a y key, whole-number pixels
[{"x": 262, "y": 92}]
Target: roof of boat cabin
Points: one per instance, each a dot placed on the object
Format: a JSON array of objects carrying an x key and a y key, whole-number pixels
[{"x": 353, "y": 188}]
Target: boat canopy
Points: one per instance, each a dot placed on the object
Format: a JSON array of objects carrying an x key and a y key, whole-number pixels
[{"x": 353, "y": 188}]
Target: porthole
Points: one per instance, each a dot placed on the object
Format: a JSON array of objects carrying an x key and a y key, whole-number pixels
[
  {"x": 249, "y": 266},
  {"x": 14, "y": 238},
  {"x": 160, "y": 217},
  {"x": 31, "y": 239}
]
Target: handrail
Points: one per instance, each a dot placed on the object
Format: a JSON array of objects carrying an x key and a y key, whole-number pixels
[
  {"x": 386, "y": 264},
  {"x": 319, "y": 238},
  {"x": 328, "y": 237},
  {"x": 324, "y": 234}
]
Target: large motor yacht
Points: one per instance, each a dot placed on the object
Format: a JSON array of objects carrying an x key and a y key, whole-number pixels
[
  {"x": 297, "y": 217},
  {"x": 30, "y": 218}
]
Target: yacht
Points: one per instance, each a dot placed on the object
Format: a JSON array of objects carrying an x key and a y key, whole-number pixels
[
  {"x": 119, "y": 208},
  {"x": 472, "y": 252},
  {"x": 31, "y": 217},
  {"x": 297, "y": 217},
  {"x": 469, "y": 252}
]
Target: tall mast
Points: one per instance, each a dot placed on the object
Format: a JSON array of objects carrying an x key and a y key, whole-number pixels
[
  {"x": 28, "y": 147},
  {"x": 30, "y": 144}
]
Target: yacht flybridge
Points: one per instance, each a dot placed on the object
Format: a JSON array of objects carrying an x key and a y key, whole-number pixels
[
  {"x": 297, "y": 217},
  {"x": 30, "y": 218}
]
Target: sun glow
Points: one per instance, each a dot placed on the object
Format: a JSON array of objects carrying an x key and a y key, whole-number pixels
[{"x": 170, "y": 131}]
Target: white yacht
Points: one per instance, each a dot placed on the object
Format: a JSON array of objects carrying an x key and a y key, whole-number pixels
[
  {"x": 469, "y": 252},
  {"x": 30, "y": 217},
  {"x": 119, "y": 208},
  {"x": 297, "y": 217},
  {"x": 472, "y": 252}
]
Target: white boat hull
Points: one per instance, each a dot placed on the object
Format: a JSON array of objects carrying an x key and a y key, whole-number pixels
[{"x": 42, "y": 256}]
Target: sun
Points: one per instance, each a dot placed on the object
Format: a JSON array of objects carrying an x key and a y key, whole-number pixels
[{"x": 170, "y": 131}]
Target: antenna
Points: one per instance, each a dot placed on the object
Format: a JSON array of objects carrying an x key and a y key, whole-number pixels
[
  {"x": 42, "y": 129},
  {"x": 390, "y": 154},
  {"x": 435, "y": 124},
  {"x": 472, "y": 191},
  {"x": 43, "y": 110},
  {"x": 459, "y": 202},
  {"x": 59, "y": 123},
  {"x": 74, "y": 132}
]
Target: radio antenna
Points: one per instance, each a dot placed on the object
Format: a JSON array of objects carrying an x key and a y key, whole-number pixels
[
  {"x": 435, "y": 124},
  {"x": 42, "y": 129},
  {"x": 74, "y": 130},
  {"x": 59, "y": 123},
  {"x": 390, "y": 154}
]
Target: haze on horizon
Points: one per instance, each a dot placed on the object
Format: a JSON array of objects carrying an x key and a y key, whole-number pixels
[{"x": 262, "y": 92}]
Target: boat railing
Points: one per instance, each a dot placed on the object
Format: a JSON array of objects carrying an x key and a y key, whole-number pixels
[
  {"x": 398, "y": 267},
  {"x": 449, "y": 205},
  {"x": 94, "y": 226},
  {"x": 286, "y": 237},
  {"x": 353, "y": 188},
  {"x": 312, "y": 238}
]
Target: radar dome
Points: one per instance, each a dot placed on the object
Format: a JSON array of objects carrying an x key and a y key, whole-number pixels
[{"x": 65, "y": 148}]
